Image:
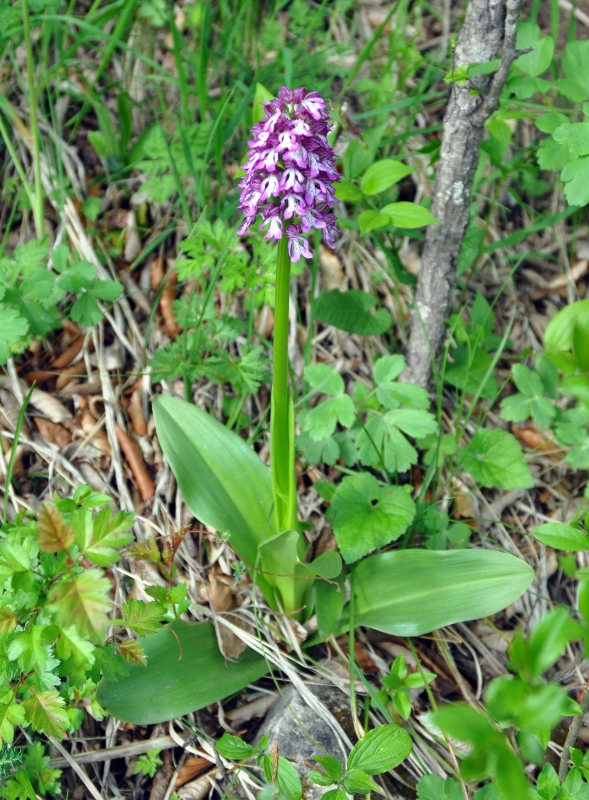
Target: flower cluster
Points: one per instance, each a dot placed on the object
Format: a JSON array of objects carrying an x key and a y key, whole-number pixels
[{"x": 290, "y": 172}]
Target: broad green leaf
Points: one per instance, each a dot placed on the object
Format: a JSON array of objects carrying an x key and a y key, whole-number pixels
[
  {"x": 354, "y": 159},
  {"x": 380, "y": 750},
  {"x": 560, "y": 330},
  {"x": 329, "y": 603},
  {"x": 351, "y": 311},
  {"x": 107, "y": 290},
  {"x": 408, "y": 215},
  {"x": 356, "y": 781},
  {"x": 561, "y": 536},
  {"x": 332, "y": 766},
  {"x": 83, "y": 601},
  {"x": 287, "y": 778},
  {"x": 538, "y": 61},
  {"x": 346, "y": 190},
  {"x": 370, "y": 219},
  {"x": 235, "y": 748},
  {"x": 576, "y": 178},
  {"x": 495, "y": 458},
  {"x": 382, "y": 174},
  {"x": 368, "y": 515},
  {"x": 432, "y": 787},
  {"x": 575, "y": 65},
  {"x": 223, "y": 482},
  {"x": 47, "y": 714},
  {"x": 185, "y": 671},
  {"x": 410, "y": 592}
]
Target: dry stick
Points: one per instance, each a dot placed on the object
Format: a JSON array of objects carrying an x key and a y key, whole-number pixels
[
  {"x": 121, "y": 751},
  {"x": 489, "y": 30},
  {"x": 571, "y": 737}
]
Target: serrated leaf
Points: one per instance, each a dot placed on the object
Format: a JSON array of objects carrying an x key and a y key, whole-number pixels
[
  {"x": 574, "y": 136},
  {"x": 561, "y": 328},
  {"x": 321, "y": 420},
  {"x": 538, "y": 61},
  {"x": 575, "y": 65},
  {"x": 324, "y": 378},
  {"x": 8, "y": 620},
  {"x": 12, "y": 328},
  {"x": 382, "y": 174},
  {"x": 351, "y": 311},
  {"x": 142, "y": 617},
  {"x": 108, "y": 533},
  {"x": 234, "y": 748},
  {"x": 368, "y": 515},
  {"x": 561, "y": 536},
  {"x": 552, "y": 155},
  {"x": 106, "y": 290},
  {"x": 380, "y": 442},
  {"x": 495, "y": 458},
  {"x": 47, "y": 714},
  {"x": 409, "y": 215},
  {"x": 131, "y": 651},
  {"x": 54, "y": 535},
  {"x": 380, "y": 750},
  {"x": 82, "y": 601},
  {"x": 576, "y": 179},
  {"x": 86, "y": 310},
  {"x": 549, "y": 121},
  {"x": 70, "y": 645}
]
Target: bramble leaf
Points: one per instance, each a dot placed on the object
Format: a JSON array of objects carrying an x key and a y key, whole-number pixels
[
  {"x": 82, "y": 601},
  {"x": 11, "y": 714},
  {"x": 54, "y": 534},
  {"x": 47, "y": 714},
  {"x": 576, "y": 178},
  {"x": 142, "y": 617}
]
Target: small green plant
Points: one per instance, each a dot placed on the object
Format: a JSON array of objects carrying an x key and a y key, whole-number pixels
[
  {"x": 148, "y": 763},
  {"x": 55, "y": 607},
  {"x": 32, "y": 297},
  {"x": 378, "y": 751},
  {"x": 395, "y": 694},
  {"x": 27, "y": 774}
]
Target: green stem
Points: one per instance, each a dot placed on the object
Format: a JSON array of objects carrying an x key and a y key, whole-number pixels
[
  {"x": 38, "y": 194},
  {"x": 282, "y": 416}
]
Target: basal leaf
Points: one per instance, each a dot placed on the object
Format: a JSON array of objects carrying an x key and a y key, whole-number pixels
[
  {"x": 410, "y": 592},
  {"x": 495, "y": 458},
  {"x": 185, "y": 671},
  {"x": 223, "y": 482}
]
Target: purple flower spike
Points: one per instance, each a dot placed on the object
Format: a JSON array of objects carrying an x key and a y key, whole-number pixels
[{"x": 290, "y": 172}]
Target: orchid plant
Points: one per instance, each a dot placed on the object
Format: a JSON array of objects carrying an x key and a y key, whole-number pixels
[{"x": 288, "y": 183}]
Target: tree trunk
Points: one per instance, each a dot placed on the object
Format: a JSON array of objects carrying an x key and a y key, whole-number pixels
[{"x": 488, "y": 32}]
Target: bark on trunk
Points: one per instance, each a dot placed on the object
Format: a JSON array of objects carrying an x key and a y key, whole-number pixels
[{"x": 488, "y": 32}]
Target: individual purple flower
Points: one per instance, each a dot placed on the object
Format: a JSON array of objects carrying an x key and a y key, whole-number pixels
[{"x": 290, "y": 171}]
